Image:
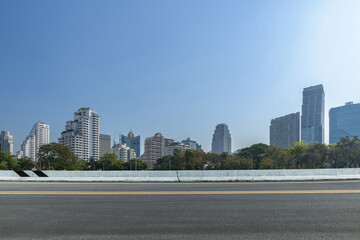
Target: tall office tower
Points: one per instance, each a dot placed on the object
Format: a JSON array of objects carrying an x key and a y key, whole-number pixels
[
  {"x": 285, "y": 131},
  {"x": 6, "y": 142},
  {"x": 344, "y": 121},
  {"x": 312, "y": 118},
  {"x": 105, "y": 144},
  {"x": 192, "y": 144},
  {"x": 221, "y": 141},
  {"x": 123, "y": 152},
  {"x": 132, "y": 142},
  {"x": 39, "y": 135},
  {"x": 154, "y": 148},
  {"x": 82, "y": 134}
]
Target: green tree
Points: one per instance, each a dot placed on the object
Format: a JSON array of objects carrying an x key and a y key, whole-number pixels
[
  {"x": 111, "y": 162},
  {"x": 315, "y": 156},
  {"x": 7, "y": 161},
  {"x": 346, "y": 153},
  {"x": 297, "y": 153},
  {"x": 163, "y": 163},
  {"x": 196, "y": 160},
  {"x": 140, "y": 165},
  {"x": 212, "y": 161},
  {"x": 255, "y": 152},
  {"x": 279, "y": 157},
  {"x": 25, "y": 163},
  {"x": 234, "y": 162},
  {"x": 56, "y": 156}
]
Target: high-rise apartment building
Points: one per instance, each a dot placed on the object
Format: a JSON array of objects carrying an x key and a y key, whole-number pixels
[
  {"x": 344, "y": 121},
  {"x": 105, "y": 144},
  {"x": 221, "y": 141},
  {"x": 39, "y": 135},
  {"x": 82, "y": 134},
  {"x": 312, "y": 116},
  {"x": 192, "y": 144},
  {"x": 285, "y": 131},
  {"x": 154, "y": 148},
  {"x": 123, "y": 152},
  {"x": 6, "y": 142},
  {"x": 132, "y": 142}
]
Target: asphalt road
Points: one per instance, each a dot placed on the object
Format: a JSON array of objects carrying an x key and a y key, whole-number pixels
[{"x": 272, "y": 213}]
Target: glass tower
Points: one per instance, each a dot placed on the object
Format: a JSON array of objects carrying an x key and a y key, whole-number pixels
[
  {"x": 344, "y": 121},
  {"x": 221, "y": 141},
  {"x": 132, "y": 142},
  {"x": 312, "y": 118}
]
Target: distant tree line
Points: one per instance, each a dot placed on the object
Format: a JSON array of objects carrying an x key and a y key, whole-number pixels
[
  {"x": 344, "y": 154},
  {"x": 55, "y": 156}
]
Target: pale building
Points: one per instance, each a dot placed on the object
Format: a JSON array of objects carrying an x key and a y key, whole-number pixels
[
  {"x": 192, "y": 144},
  {"x": 39, "y": 135},
  {"x": 170, "y": 149},
  {"x": 123, "y": 152},
  {"x": 6, "y": 142},
  {"x": 82, "y": 134}
]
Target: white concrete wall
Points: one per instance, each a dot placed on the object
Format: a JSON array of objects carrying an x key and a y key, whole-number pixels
[{"x": 188, "y": 176}]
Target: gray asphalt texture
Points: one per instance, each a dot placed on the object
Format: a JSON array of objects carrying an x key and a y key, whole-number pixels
[{"x": 265, "y": 216}]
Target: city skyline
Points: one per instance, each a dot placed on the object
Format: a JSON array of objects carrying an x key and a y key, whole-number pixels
[{"x": 233, "y": 68}]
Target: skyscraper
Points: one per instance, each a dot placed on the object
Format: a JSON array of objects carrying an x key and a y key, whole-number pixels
[
  {"x": 221, "y": 141},
  {"x": 82, "y": 134},
  {"x": 344, "y": 121},
  {"x": 312, "y": 118},
  {"x": 154, "y": 148},
  {"x": 39, "y": 135},
  {"x": 6, "y": 142},
  {"x": 132, "y": 142},
  {"x": 105, "y": 144},
  {"x": 285, "y": 131}
]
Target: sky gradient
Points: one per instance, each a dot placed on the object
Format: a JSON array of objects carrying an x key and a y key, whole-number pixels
[{"x": 175, "y": 67}]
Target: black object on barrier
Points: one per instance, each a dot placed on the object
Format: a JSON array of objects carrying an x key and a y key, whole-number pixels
[
  {"x": 40, "y": 173},
  {"x": 21, "y": 173}
]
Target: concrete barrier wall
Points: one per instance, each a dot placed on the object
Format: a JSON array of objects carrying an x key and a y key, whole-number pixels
[
  {"x": 8, "y": 173},
  {"x": 122, "y": 176},
  {"x": 188, "y": 176}
]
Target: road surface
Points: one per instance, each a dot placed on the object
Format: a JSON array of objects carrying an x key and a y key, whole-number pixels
[{"x": 301, "y": 210}]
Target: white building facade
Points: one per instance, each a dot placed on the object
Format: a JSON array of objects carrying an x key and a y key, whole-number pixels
[
  {"x": 6, "y": 142},
  {"x": 82, "y": 134},
  {"x": 39, "y": 135},
  {"x": 170, "y": 149},
  {"x": 123, "y": 152}
]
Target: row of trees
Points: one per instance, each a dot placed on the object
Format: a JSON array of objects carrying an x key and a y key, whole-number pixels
[
  {"x": 345, "y": 154},
  {"x": 11, "y": 162},
  {"x": 55, "y": 156}
]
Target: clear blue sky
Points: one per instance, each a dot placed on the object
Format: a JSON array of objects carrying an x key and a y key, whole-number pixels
[{"x": 175, "y": 67}]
